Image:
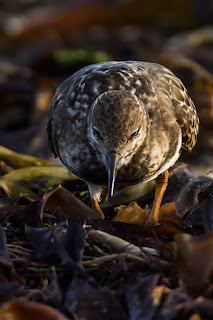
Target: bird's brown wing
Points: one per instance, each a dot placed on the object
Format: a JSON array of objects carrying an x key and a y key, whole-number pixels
[
  {"x": 184, "y": 110},
  {"x": 60, "y": 97},
  {"x": 53, "y": 105}
]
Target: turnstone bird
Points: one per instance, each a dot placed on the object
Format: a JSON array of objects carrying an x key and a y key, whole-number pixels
[{"x": 125, "y": 121}]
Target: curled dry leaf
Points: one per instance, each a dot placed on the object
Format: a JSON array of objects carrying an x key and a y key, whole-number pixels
[
  {"x": 61, "y": 243},
  {"x": 131, "y": 214},
  {"x": 169, "y": 214},
  {"x": 73, "y": 208}
]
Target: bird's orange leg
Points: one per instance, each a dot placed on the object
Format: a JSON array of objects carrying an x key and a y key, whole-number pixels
[
  {"x": 161, "y": 185},
  {"x": 96, "y": 208}
]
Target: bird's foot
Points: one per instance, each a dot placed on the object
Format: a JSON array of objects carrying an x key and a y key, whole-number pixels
[
  {"x": 97, "y": 209},
  {"x": 153, "y": 217},
  {"x": 161, "y": 185}
]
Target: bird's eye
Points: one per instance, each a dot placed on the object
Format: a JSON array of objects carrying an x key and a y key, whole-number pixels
[
  {"x": 134, "y": 134},
  {"x": 97, "y": 133}
]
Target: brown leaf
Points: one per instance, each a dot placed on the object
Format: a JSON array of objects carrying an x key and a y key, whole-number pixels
[
  {"x": 73, "y": 208},
  {"x": 9, "y": 279},
  {"x": 144, "y": 298},
  {"x": 87, "y": 302},
  {"x": 21, "y": 309},
  {"x": 169, "y": 214},
  {"x": 62, "y": 242},
  {"x": 131, "y": 214},
  {"x": 168, "y": 217},
  {"x": 195, "y": 260}
]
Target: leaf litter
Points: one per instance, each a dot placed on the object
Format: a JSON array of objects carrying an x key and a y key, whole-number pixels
[{"x": 55, "y": 250}]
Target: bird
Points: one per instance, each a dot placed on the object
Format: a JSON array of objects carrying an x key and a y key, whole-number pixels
[{"x": 122, "y": 122}]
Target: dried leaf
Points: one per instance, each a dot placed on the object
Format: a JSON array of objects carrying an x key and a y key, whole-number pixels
[
  {"x": 141, "y": 298},
  {"x": 51, "y": 292},
  {"x": 183, "y": 188},
  {"x": 9, "y": 279},
  {"x": 131, "y": 214},
  {"x": 169, "y": 214},
  {"x": 29, "y": 215},
  {"x": 61, "y": 243},
  {"x": 73, "y": 208},
  {"x": 86, "y": 302},
  {"x": 195, "y": 260},
  {"x": 134, "y": 214},
  {"x": 21, "y": 309},
  {"x": 205, "y": 193},
  {"x": 199, "y": 219},
  {"x": 56, "y": 205},
  {"x": 179, "y": 305},
  {"x": 176, "y": 305}
]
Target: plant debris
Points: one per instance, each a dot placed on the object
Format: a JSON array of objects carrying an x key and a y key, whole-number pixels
[{"x": 58, "y": 251}]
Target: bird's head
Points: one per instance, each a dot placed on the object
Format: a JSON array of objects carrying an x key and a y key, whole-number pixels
[{"x": 117, "y": 125}]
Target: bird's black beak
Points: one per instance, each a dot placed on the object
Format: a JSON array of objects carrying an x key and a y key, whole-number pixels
[{"x": 112, "y": 159}]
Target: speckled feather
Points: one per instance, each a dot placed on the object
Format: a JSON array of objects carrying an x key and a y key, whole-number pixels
[{"x": 121, "y": 93}]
